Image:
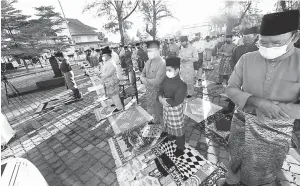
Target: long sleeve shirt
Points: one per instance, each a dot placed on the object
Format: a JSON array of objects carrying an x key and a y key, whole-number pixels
[
  {"x": 174, "y": 49},
  {"x": 108, "y": 69},
  {"x": 239, "y": 51},
  {"x": 154, "y": 72},
  {"x": 174, "y": 89},
  {"x": 199, "y": 45},
  {"x": 228, "y": 48},
  {"x": 188, "y": 54},
  {"x": 277, "y": 80},
  {"x": 65, "y": 66}
]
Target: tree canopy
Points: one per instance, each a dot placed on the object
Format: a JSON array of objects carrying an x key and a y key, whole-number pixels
[
  {"x": 117, "y": 12},
  {"x": 23, "y": 37},
  {"x": 154, "y": 11}
]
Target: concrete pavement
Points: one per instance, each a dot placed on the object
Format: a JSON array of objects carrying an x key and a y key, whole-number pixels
[{"x": 70, "y": 147}]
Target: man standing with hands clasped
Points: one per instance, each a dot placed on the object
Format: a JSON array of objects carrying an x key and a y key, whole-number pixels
[
  {"x": 265, "y": 86},
  {"x": 153, "y": 74}
]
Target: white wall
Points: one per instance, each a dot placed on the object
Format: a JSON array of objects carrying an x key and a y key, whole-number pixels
[{"x": 88, "y": 38}]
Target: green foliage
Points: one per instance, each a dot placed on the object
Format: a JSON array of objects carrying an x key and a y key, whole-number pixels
[
  {"x": 116, "y": 12},
  {"x": 154, "y": 11},
  {"x": 23, "y": 37}
]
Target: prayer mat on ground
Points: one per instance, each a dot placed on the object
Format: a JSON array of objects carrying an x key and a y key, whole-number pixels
[
  {"x": 97, "y": 85},
  {"x": 128, "y": 119},
  {"x": 133, "y": 142},
  {"x": 159, "y": 167},
  {"x": 199, "y": 109},
  {"x": 55, "y": 103}
]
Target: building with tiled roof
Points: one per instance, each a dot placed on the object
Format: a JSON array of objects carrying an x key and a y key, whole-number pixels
[{"x": 84, "y": 36}]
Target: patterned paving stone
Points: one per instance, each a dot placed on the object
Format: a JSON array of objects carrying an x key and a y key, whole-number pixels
[{"x": 66, "y": 148}]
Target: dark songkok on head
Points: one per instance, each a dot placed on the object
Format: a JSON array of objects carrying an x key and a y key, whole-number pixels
[
  {"x": 58, "y": 54},
  {"x": 121, "y": 46},
  {"x": 252, "y": 30},
  {"x": 151, "y": 44},
  {"x": 125, "y": 47},
  {"x": 279, "y": 23},
  {"x": 228, "y": 36},
  {"x": 184, "y": 38},
  {"x": 106, "y": 50},
  {"x": 137, "y": 44},
  {"x": 97, "y": 50},
  {"x": 173, "y": 62}
]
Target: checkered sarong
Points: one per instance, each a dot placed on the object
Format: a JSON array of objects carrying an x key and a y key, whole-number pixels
[{"x": 173, "y": 120}]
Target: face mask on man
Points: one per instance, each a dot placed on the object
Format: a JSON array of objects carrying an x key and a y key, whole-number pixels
[
  {"x": 273, "y": 52},
  {"x": 170, "y": 74},
  {"x": 152, "y": 54},
  {"x": 104, "y": 58}
]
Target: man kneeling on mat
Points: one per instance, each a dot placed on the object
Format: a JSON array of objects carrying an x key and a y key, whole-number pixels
[
  {"x": 172, "y": 92},
  {"x": 66, "y": 69}
]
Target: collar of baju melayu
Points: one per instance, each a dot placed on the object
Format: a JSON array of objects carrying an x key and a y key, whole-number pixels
[{"x": 284, "y": 56}]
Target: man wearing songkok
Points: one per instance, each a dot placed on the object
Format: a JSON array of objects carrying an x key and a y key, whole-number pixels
[
  {"x": 165, "y": 49},
  {"x": 172, "y": 92},
  {"x": 141, "y": 57},
  {"x": 265, "y": 86},
  {"x": 226, "y": 51},
  {"x": 199, "y": 45},
  {"x": 173, "y": 49},
  {"x": 66, "y": 69},
  {"x": 109, "y": 78},
  {"x": 188, "y": 55},
  {"x": 153, "y": 74},
  {"x": 249, "y": 46},
  {"x": 209, "y": 47}
]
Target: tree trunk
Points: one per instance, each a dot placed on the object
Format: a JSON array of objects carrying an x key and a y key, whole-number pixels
[
  {"x": 154, "y": 21},
  {"x": 121, "y": 29},
  {"x": 230, "y": 19}
]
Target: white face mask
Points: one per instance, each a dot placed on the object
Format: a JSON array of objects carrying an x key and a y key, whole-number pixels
[
  {"x": 152, "y": 54},
  {"x": 273, "y": 52},
  {"x": 104, "y": 58},
  {"x": 170, "y": 74}
]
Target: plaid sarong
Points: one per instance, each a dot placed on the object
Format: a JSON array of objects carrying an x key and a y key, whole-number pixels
[{"x": 173, "y": 120}]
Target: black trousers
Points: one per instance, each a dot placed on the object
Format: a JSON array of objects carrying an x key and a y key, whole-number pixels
[{"x": 180, "y": 140}]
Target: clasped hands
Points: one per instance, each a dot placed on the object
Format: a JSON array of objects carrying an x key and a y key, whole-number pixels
[
  {"x": 267, "y": 108},
  {"x": 163, "y": 101}
]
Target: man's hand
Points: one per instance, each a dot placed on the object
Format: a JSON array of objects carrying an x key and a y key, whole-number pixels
[
  {"x": 143, "y": 79},
  {"x": 163, "y": 101},
  {"x": 270, "y": 109}
]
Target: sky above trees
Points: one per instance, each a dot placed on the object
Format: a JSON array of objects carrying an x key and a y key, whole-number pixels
[{"x": 187, "y": 12}]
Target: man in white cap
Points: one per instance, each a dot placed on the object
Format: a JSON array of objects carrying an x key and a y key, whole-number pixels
[{"x": 265, "y": 86}]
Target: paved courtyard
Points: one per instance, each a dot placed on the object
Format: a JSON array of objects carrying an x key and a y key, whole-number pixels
[{"x": 70, "y": 147}]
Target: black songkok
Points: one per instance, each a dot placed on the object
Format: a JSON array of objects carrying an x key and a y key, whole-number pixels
[
  {"x": 252, "y": 30},
  {"x": 106, "y": 50},
  {"x": 153, "y": 44},
  {"x": 279, "y": 23},
  {"x": 184, "y": 38},
  {"x": 173, "y": 62},
  {"x": 58, "y": 54}
]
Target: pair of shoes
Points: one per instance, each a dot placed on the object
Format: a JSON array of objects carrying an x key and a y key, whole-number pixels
[
  {"x": 188, "y": 96},
  {"x": 117, "y": 110},
  {"x": 163, "y": 134},
  {"x": 178, "y": 152},
  {"x": 151, "y": 123}
]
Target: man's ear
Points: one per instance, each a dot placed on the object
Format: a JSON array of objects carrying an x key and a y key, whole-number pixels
[{"x": 296, "y": 36}]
